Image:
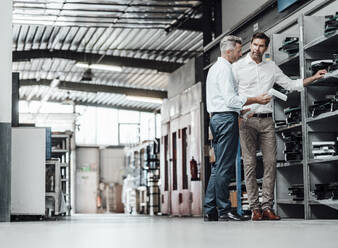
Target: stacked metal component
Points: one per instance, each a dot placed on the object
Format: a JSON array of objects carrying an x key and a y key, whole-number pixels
[
  {"x": 293, "y": 115},
  {"x": 328, "y": 64},
  {"x": 297, "y": 191},
  {"x": 326, "y": 191},
  {"x": 324, "y": 149},
  {"x": 293, "y": 145},
  {"x": 329, "y": 104},
  {"x": 290, "y": 46},
  {"x": 331, "y": 24}
]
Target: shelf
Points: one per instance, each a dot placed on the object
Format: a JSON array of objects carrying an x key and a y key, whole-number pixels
[
  {"x": 327, "y": 43},
  {"x": 59, "y": 151},
  {"x": 50, "y": 194},
  {"x": 289, "y": 201},
  {"x": 326, "y": 160},
  {"x": 288, "y": 60},
  {"x": 287, "y": 128},
  {"x": 328, "y": 202},
  {"x": 289, "y": 164},
  {"x": 290, "y": 66},
  {"x": 60, "y": 136},
  {"x": 324, "y": 116}
]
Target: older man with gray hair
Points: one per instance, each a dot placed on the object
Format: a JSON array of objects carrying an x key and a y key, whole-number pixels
[{"x": 224, "y": 105}]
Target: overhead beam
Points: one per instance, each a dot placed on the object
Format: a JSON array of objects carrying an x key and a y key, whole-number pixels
[
  {"x": 93, "y": 58},
  {"x": 191, "y": 25},
  {"x": 89, "y": 87},
  {"x": 84, "y": 103}
]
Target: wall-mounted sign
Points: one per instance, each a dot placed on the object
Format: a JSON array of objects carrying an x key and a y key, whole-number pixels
[{"x": 283, "y": 4}]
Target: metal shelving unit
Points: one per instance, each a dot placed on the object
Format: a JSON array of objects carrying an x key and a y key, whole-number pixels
[
  {"x": 61, "y": 150},
  {"x": 313, "y": 45}
]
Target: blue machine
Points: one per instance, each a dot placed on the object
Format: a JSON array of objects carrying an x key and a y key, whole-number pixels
[
  {"x": 48, "y": 143},
  {"x": 284, "y": 4}
]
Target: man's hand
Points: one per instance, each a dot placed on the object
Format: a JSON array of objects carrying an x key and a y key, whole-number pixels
[
  {"x": 245, "y": 111},
  {"x": 319, "y": 74},
  {"x": 263, "y": 99}
]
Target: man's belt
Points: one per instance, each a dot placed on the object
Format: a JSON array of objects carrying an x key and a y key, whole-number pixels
[
  {"x": 224, "y": 112},
  {"x": 266, "y": 115}
]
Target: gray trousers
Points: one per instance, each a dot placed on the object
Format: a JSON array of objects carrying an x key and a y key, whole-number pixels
[
  {"x": 224, "y": 128},
  {"x": 254, "y": 133}
]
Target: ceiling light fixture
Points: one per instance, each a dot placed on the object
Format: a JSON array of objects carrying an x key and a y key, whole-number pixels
[
  {"x": 99, "y": 67},
  {"x": 145, "y": 99}
]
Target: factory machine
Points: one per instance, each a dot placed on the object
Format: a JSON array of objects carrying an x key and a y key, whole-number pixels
[{"x": 181, "y": 154}]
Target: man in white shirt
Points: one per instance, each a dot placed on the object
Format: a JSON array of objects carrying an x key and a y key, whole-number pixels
[
  {"x": 254, "y": 77},
  {"x": 224, "y": 104}
]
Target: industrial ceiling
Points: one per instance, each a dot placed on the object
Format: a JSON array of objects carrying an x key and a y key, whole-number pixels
[{"x": 58, "y": 45}]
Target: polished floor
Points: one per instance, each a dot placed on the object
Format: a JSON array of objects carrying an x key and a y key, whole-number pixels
[{"x": 100, "y": 231}]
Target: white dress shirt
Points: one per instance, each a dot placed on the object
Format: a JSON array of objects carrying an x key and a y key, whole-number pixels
[
  {"x": 255, "y": 79},
  {"x": 222, "y": 89}
]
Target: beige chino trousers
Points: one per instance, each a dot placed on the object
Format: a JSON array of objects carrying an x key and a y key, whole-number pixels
[{"x": 259, "y": 133}]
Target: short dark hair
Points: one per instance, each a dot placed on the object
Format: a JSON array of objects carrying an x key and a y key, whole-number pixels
[{"x": 262, "y": 36}]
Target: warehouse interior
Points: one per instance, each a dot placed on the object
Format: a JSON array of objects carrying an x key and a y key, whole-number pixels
[{"x": 104, "y": 129}]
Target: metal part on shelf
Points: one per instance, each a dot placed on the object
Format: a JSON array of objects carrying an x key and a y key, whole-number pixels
[
  {"x": 320, "y": 65},
  {"x": 331, "y": 24},
  {"x": 290, "y": 46},
  {"x": 297, "y": 191},
  {"x": 325, "y": 191},
  {"x": 293, "y": 115},
  {"x": 324, "y": 149},
  {"x": 321, "y": 106}
]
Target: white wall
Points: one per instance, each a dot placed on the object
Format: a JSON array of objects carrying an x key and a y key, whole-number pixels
[
  {"x": 234, "y": 12},
  {"x": 6, "y": 62},
  {"x": 181, "y": 79},
  {"x": 111, "y": 165}
]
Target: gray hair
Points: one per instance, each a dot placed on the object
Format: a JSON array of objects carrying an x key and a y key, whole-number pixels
[{"x": 229, "y": 43}]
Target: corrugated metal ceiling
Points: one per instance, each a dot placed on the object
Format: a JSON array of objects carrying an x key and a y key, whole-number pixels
[{"x": 128, "y": 29}]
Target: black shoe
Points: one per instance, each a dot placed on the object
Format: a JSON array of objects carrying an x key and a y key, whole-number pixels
[
  {"x": 210, "y": 217},
  {"x": 232, "y": 217}
]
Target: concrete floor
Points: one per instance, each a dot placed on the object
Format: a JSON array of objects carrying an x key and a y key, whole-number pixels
[{"x": 139, "y": 231}]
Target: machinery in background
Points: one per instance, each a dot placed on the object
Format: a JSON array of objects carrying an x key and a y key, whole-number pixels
[
  {"x": 109, "y": 199},
  {"x": 87, "y": 179},
  {"x": 141, "y": 191},
  {"x": 28, "y": 172},
  {"x": 182, "y": 154}
]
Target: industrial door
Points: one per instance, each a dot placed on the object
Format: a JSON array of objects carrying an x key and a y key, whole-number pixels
[
  {"x": 165, "y": 170},
  {"x": 174, "y": 165},
  {"x": 185, "y": 156}
]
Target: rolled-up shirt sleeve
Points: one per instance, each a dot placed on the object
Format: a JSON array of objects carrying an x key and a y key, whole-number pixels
[
  {"x": 228, "y": 85},
  {"x": 286, "y": 82}
]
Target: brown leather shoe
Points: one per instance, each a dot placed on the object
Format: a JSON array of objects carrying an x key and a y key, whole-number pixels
[
  {"x": 256, "y": 215},
  {"x": 268, "y": 214}
]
